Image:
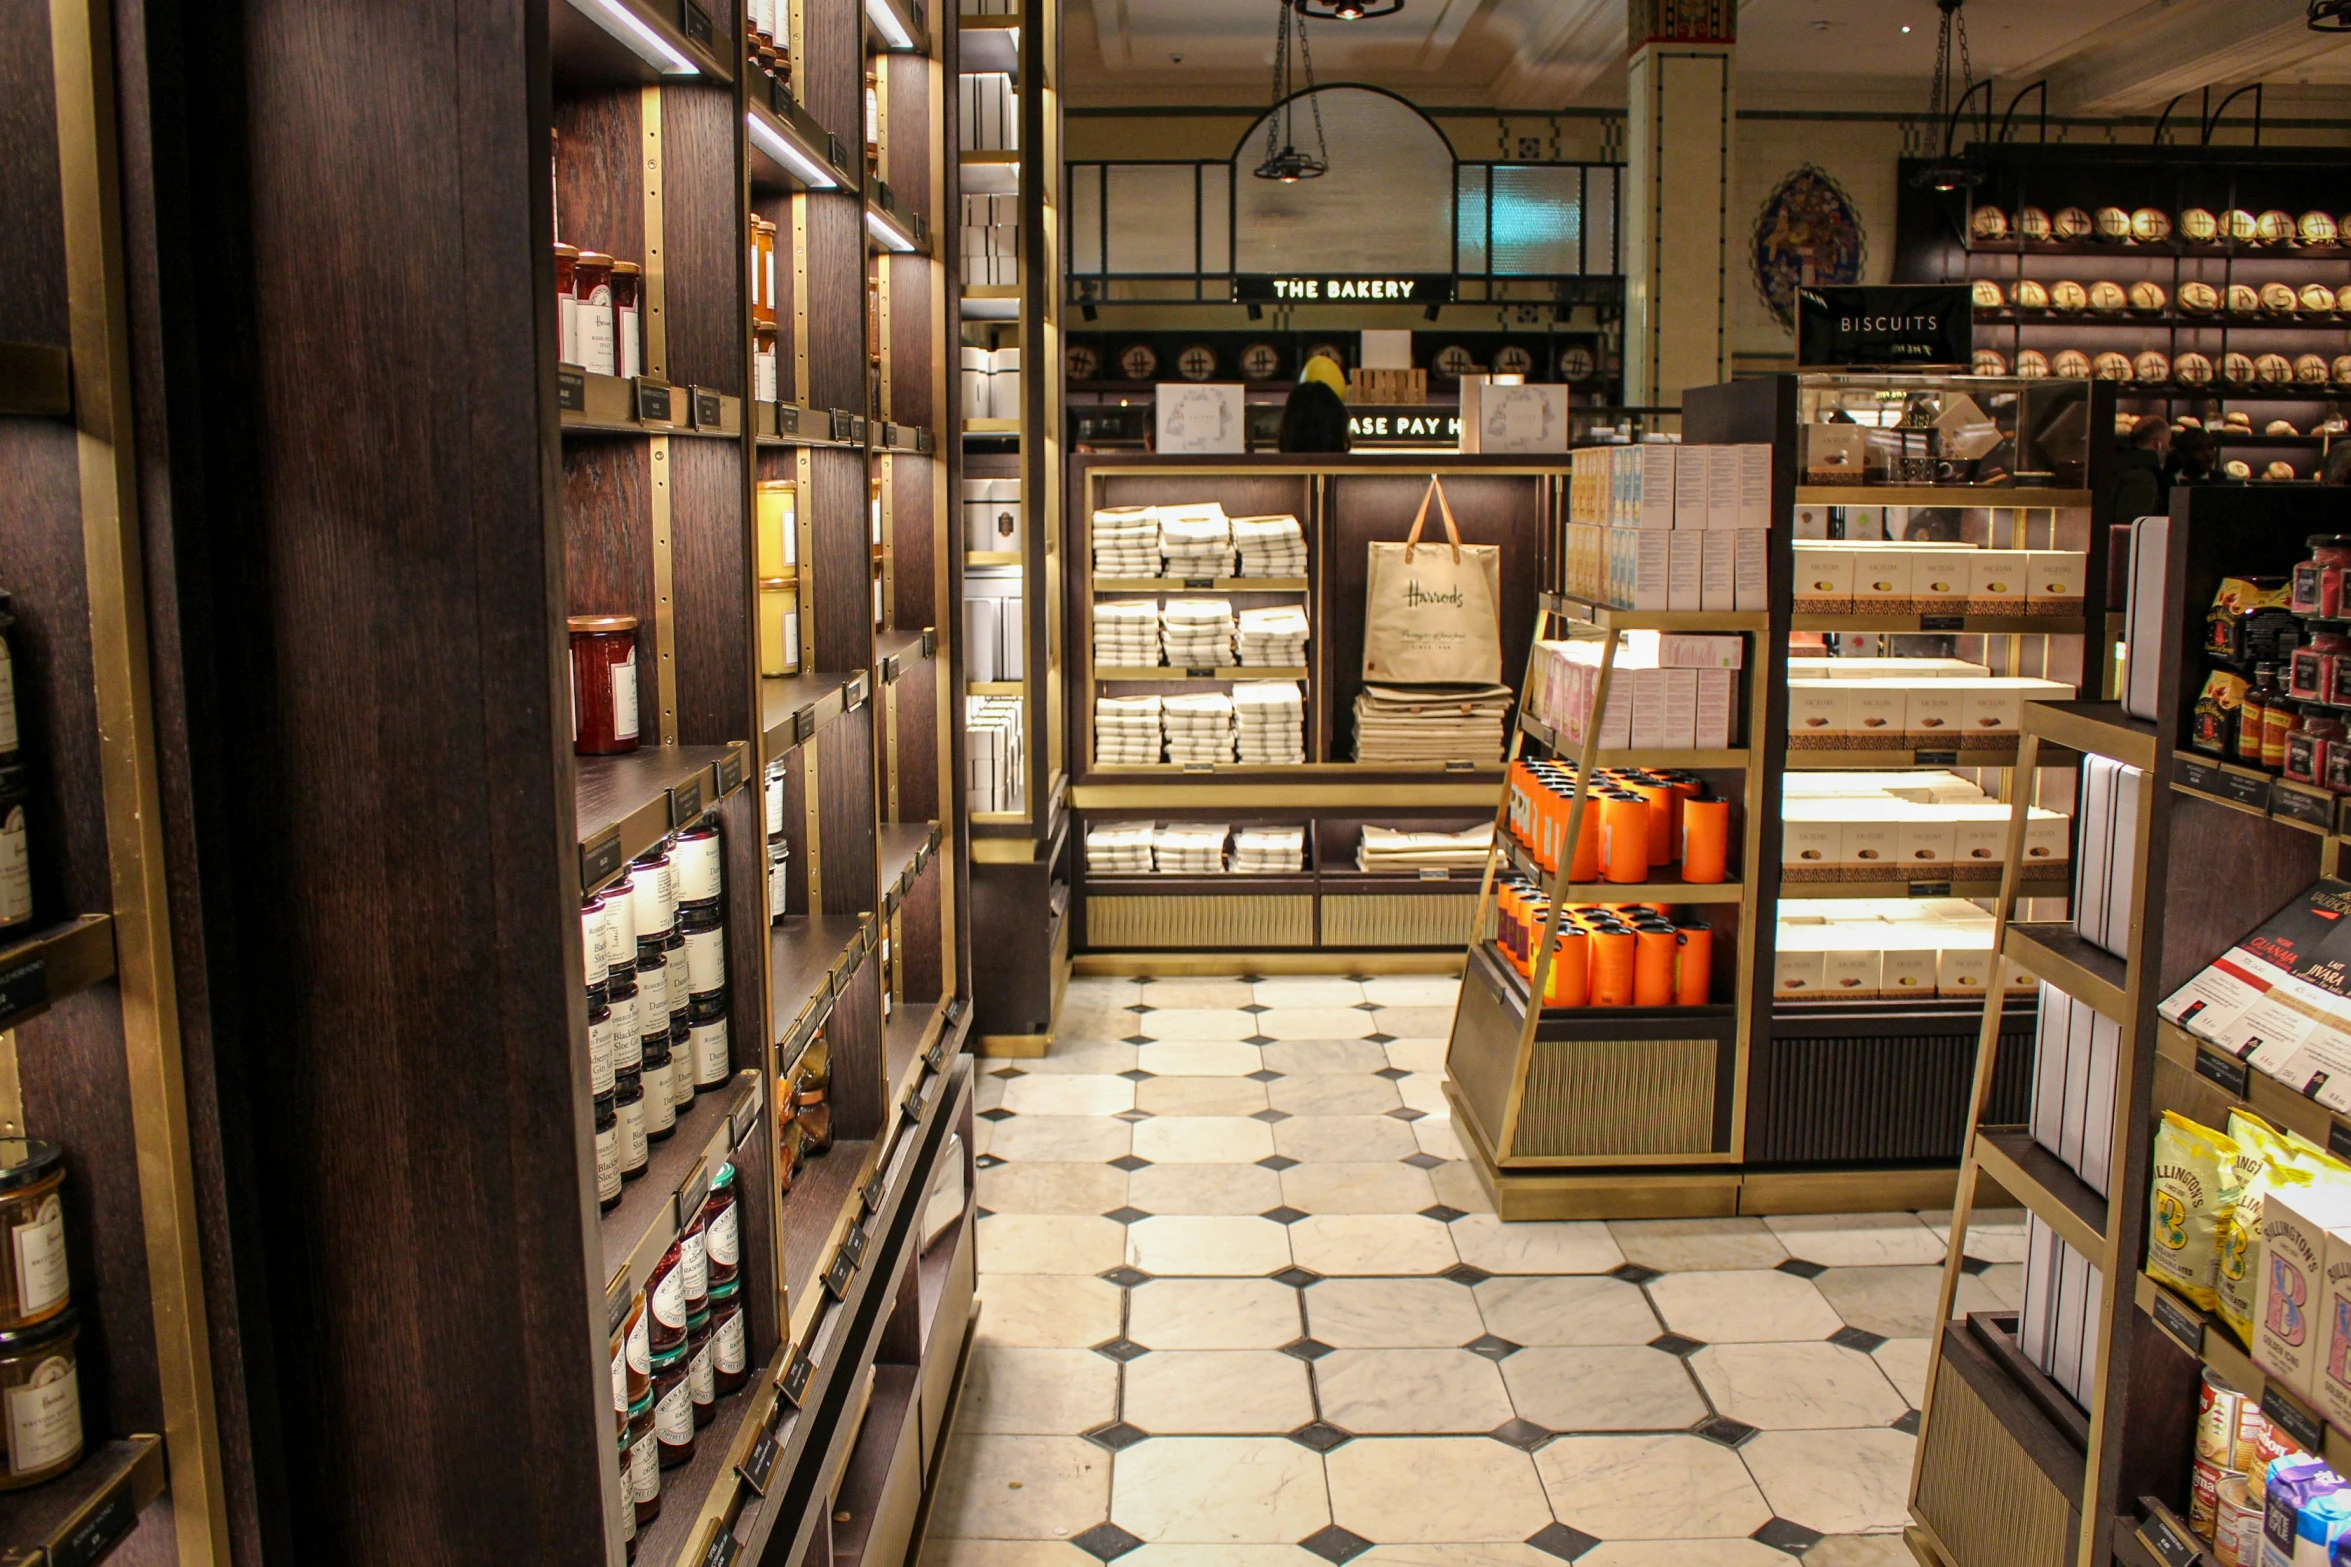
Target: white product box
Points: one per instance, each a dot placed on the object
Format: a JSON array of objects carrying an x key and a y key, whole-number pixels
[
  {"x": 1940, "y": 581},
  {"x": 2107, "y": 856},
  {"x": 1656, "y": 498},
  {"x": 1722, "y": 487},
  {"x": 982, "y": 623},
  {"x": 1691, "y": 650},
  {"x": 2055, "y": 577},
  {"x": 1883, "y": 577},
  {"x": 1511, "y": 418},
  {"x": 1718, "y": 578},
  {"x": 1865, "y": 524},
  {"x": 2287, "y": 1341},
  {"x": 1665, "y": 707},
  {"x": 1386, "y": 350},
  {"x": 1684, "y": 571},
  {"x": 1811, "y": 845},
  {"x": 1197, "y": 417},
  {"x": 2048, "y": 837},
  {"x": 1750, "y": 569},
  {"x": 2331, "y": 1382},
  {"x": 1799, "y": 974},
  {"x": 1692, "y": 483},
  {"x": 1873, "y": 843},
  {"x": 1851, "y": 972},
  {"x": 1717, "y": 715},
  {"x": 1753, "y": 487},
  {"x": 1926, "y": 842},
  {"x": 1996, "y": 582},
  {"x": 2097, "y": 1159},
  {"x": 1989, "y": 707},
  {"x": 1824, "y": 579},
  {"x": 1811, "y": 522},
  {"x": 1876, "y": 711},
  {"x": 1937, "y": 715},
  {"x": 1979, "y": 836},
  {"x": 977, "y": 367},
  {"x": 1964, "y": 971},
  {"x": 1642, "y": 568},
  {"x": 2053, "y": 1048},
  {"x": 1818, "y": 708},
  {"x": 1907, "y": 971}
]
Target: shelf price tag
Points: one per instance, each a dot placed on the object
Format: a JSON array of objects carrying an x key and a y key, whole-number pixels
[
  {"x": 2164, "y": 1538},
  {"x": 2176, "y": 1320},
  {"x": 795, "y": 1379},
  {"x": 723, "y": 1549},
  {"x": 1199, "y": 582},
  {"x": 759, "y": 1463},
  {"x": 2308, "y": 807},
  {"x": 1930, "y": 889},
  {"x": 2339, "y": 1139},
  {"x": 1435, "y": 873},
  {"x": 2227, "y": 1072},
  {"x": 1199, "y": 767},
  {"x": 653, "y": 405},
  {"x": 869, "y": 1196},
  {"x": 730, "y": 771},
  {"x": 694, "y": 22},
  {"x": 1200, "y": 674},
  {"x": 2288, "y": 1414},
  {"x": 804, "y": 724},
  {"x": 100, "y": 1531},
  {"x": 24, "y": 988},
  {"x": 837, "y": 1277},
  {"x": 685, "y": 802},
  {"x": 571, "y": 389},
  {"x": 709, "y": 409},
  {"x": 1461, "y": 767},
  {"x": 1935, "y": 759},
  {"x": 787, "y": 419},
  {"x": 1942, "y": 622}
]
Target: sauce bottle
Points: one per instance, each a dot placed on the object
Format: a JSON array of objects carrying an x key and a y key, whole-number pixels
[
  {"x": 2277, "y": 722},
  {"x": 2253, "y": 717}
]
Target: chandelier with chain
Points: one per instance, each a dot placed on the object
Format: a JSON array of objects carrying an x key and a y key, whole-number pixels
[
  {"x": 1948, "y": 96},
  {"x": 1285, "y": 159}
]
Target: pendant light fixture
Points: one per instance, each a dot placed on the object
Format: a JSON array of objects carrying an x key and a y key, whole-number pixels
[
  {"x": 1285, "y": 160},
  {"x": 1947, "y": 97},
  {"x": 1363, "y": 10}
]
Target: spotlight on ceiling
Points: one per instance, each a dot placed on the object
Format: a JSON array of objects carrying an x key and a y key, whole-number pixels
[
  {"x": 1346, "y": 10},
  {"x": 2330, "y": 16}
]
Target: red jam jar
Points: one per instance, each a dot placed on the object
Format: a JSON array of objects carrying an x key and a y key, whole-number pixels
[
  {"x": 2306, "y": 668},
  {"x": 2318, "y": 581},
  {"x": 603, "y": 684},
  {"x": 592, "y": 289}
]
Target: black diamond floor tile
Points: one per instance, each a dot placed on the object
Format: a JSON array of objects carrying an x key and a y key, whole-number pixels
[
  {"x": 1634, "y": 1273},
  {"x": 1334, "y": 1544},
  {"x": 1126, "y": 1215},
  {"x": 1802, "y": 1269},
  {"x": 1724, "y": 1430},
  {"x": 1407, "y": 1113},
  {"x": 1381, "y": 1039},
  {"x": 1105, "y": 1542},
  {"x": 1908, "y": 1424},
  {"x": 1008, "y": 1072},
  {"x": 1277, "y": 1161},
  {"x": 1677, "y": 1345},
  {"x": 1131, "y": 1116},
  {"x": 1284, "y": 1214},
  {"x": 1974, "y": 1265},
  {"x": 1306, "y": 1348},
  {"x": 1141, "y": 1007},
  {"x": 1116, "y": 1435},
  {"x": 1320, "y": 1435},
  {"x": 1254, "y": 1007},
  {"x": 987, "y": 1161},
  {"x": 1857, "y": 1338},
  {"x": 1422, "y": 1161},
  {"x": 1144, "y": 979},
  {"x": 979, "y": 1212},
  {"x": 1126, "y": 1278},
  {"x": 1367, "y": 1006},
  {"x": 1524, "y": 1435},
  {"x": 1136, "y": 1039},
  {"x": 1297, "y": 1278},
  {"x": 1391, "y": 1073},
  {"x": 1252, "y": 979},
  {"x": 1270, "y": 1116},
  {"x": 1264, "y": 1075},
  {"x": 1135, "y": 1074},
  {"x": 1442, "y": 1214},
  {"x": 1130, "y": 1163},
  {"x": 997, "y": 1114},
  {"x": 1463, "y": 1273},
  {"x": 1259, "y": 1040},
  {"x": 1121, "y": 1349},
  {"x": 1782, "y": 1535},
  {"x": 1491, "y": 1346},
  {"x": 1561, "y": 1541}
]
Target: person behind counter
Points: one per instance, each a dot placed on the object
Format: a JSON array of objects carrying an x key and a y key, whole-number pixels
[
  {"x": 2140, "y": 484},
  {"x": 1315, "y": 418}
]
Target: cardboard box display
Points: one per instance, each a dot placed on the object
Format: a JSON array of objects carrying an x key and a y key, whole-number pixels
[
  {"x": 1750, "y": 570},
  {"x": 1685, "y": 571},
  {"x": 1997, "y": 580},
  {"x": 1869, "y": 845},
  {"x": 1718, "y": 572},
  {"x": 1811, "y": 850},
  {"x": 2287, "y": 1336},
  {"x": 1937, "y": 714},
  {"x": 1940, "y": 581},
  {"x": 1876, "y": 712},
  {"x": 1824, "y": 581},
  {"x": 2054, "y": 580},
  {"x": 1850, "y": 972},
  {"x": 1883, "y": 580},
  {"x": 1798, "y": 974},
  {"x": 2331, "y": 1381},
  {"x": 1819, "y": 712}
]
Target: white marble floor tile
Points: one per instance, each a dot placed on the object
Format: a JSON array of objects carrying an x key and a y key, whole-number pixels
[
  {"x": 1650, "y": 1488},
  {"x": 1362, "y": 1243},
  {"x": 1898, "y": 1302},
  {"x": 1199, "y": 1058},
  {"x": 1904, "y": 1361},
  {"x": 1392, "y": 1314},
  {"x": 1064, "y": 1139},
  {"x": 1844, "y": 1240},
  {"x": 1607, "y": 1387},
  {"x": 1200, "y": 1096},
  {"x": 1342, "y": 1022},
  {"x": 1838, "y": 1482},
  {"x": 1415, "y": 1022},
  {"x": 1413, "y": 1490},
  {"x": 1796, "y": 1387},
  {"x": 1116, "y": 990},
  {"x": 1411, "y": 1392},
  {"x": 1203, "y": 1139},
  {"x": 1435, "y": 1136},
  {"x": 1220, "y": 1490},
  {"x": 1535, "y": 1247},
  {"x": 1861, "y": 1550},
  {"x": 1197, "y": 1023},
  {"x": 1221, "y": 1247},
  {"x": 1050, "y": 1243},
  {"x": 1213, "y": 1314},
  {"x": 1036, "y": 1392},
  {"x": 1068, "y": 1095},
  {"x": 1172, "y": 1555},
  {"x": 1309, "y": 990},
  {"x": 1047, "y": 1311},
  {"x": 1577, "y": 1310},
  {"x": 1216, "y": 1392},
  {"x": 1385, "y": 1186},
  {"x": 1343, "y": 1139},
  {"x": 1021, "y": 1487},
  {"x": 1458, "y": 1186},
  {"x": 1425, "y": 1092},
  {"x": 1682, "y": 1553},
  {"x": 940, "y": 1551},
  {"x": 1416, "y": 1055},
  {"x": 1333, "y": 1093},
  {"x": 1051, "y": 1188},
  {"x": 1492, "y": 1554},
  {"x": 1325, "y": 1055},
  {"x": 1102, "y": 1057},
  {"x": 1204, "y": 1188},
  {"x": 1412, "y": 990},
  {"x": 1223, "y": 995},
  {"x": 1735, "y": 1306},
  {"x": 1694, "y": 1245},
  {"x": 988, "y": 1092},
  {"x": 2004, "y": 1282}
]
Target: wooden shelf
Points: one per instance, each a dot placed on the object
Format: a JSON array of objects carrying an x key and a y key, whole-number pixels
[
  {"x": 2041, "y": 1181},
  {"x": 807, "y": 954},
  {"x": 39, "y": 970},
  {"x": 795, "y": 707},
  {"x": 695, "y": 1491},
  {"x": 1609, "y": 617},
  {"x": 991, "y": 44},
  {"x": 608, "y": 405},
  {"x": 1866, "y": 760},
  {"x": 903, "y": 849},
  {"x": 790, "y": 151},
  {"x": 657, "y": 1204},
  {"x": 77, "y": 1519},
  {"x": 1166, "y": 672},
  {"x": 2088, "y": 973},
  {"x": 1200, "y": 585},
  {"x": 2096, "y": 729},
  {"x": 822, "y": 1203},
  {"x": 2012, "y": 498},
  {"x": 1976, "y": 886},
  {"x": 897, "y": 652},
  {"x": 1661, "y": 891},
  {"x": 2261, "y": 1095},
  {"x": 589, "y": 47},
  {"x": 991, "y": 302},
  {"x": 989, "y": 173},
  {"x": 1639, "y": 756},
  {"x": 1987, "y": 625},
  {"x": 796, "y": 424},
  {"x": 627, "y": 804}
]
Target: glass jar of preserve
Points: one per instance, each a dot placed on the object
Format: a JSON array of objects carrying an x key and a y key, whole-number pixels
[
  {"x": 779, "y": 878},
  {"x": 32, "y": 1217},
  {"x": 652, "y": 987},
  {"x": 8, "y": 736},
  {"x": 681, "y": 1071},
  {"x": 40, "y": 1393},
  {"x": 655, "y": 904},
  {"x": 16, "y": 849},
  {"x": 730, "y": 1347},
  {"x": 673, "y": 947},
  {"x": 628, "y": 1030},
  {"x": 627, "y": 286},
  {"x": 628, "y": 1104},
  {"x": 637, "y": 1351},
  {"x": 620, "y": 936},
  {"x": 627, "y": 1517},
  {"x": 706, "y": 962},
  {"x": 600, "y": 1062},
  {"x": 592, "y": 286},
  {"x": 661, "y": 1104},
  {"x": 643, "y": 1468},
  {"x": 701, "y": 1375},
  {"x": 779, "y": 626},
  {"x": 2316, "y": 733},
  {"x": 567, "y": 304},
  {"x": 722, "y": 1229},
  {"x": 694, "y": 1263},
  {"x": 608, "y": 1181},
  {"x": 603, "y": 684},
  {"x": 816, "y": 1118},
  {"x": 708, "y": 1044},
  {"x": 665, "y": 1302},
  {"x": 673, "y": 1405},
  {"x": 694, "y": 867},
  {"x": 766, "y": 384}
]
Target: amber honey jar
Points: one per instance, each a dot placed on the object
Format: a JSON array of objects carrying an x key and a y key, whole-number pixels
[
  {"x": 41, "y": 1401},
  {"x": 32, "y": 1216}
]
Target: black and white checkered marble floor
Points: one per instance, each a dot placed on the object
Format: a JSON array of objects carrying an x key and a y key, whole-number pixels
[{"x": 1246, "y": 1307}]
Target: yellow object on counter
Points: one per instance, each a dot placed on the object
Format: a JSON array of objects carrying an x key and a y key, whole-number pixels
[{"x": 2195, "y": 1191}]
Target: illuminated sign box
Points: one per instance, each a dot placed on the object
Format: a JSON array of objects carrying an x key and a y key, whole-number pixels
[{"x": 1312, "y": 288}]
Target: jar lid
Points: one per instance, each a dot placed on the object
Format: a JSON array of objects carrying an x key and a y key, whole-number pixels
[
  {"x": 722, "y": 1178},
  {"x": 579, "y": 623},
  {"x": 594, "y": 258},
  {"x": 779, "y": 584},
  {"x": 643, "y": 1406},
  {"x": 567, "y": 250},
  {"x": 629, "y": 267},
  {"x": 664, "y": 1359},
  {"x": 2318, "y": 539},
  {"x": 722, "y": 1293},
  {"x": 24, "y": 1160},
  {"x": 46, "y": 1331},
  {"x": 696, "y": 1321},
  {"x": 12, "y": 777}
]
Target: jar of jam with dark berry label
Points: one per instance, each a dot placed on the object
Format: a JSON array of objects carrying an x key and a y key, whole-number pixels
[
  {"x": 661, "y": 1106},
  {"x": 628, "y": 1106},
  {"x": 701, "y": 1375},
  {"x": 722, "y": 1233},
  {"x": 643, "y": 1469},
  {"x": 694, "y": 864},
  {"x": 665, "y": 1297},
  {"x": 655, "y": 903},
  {"x": 730, "y": 1345},
  {"x": 694, "y": 1264},
  {"x": 673, "y": 1406},
  {"x": 608, "y": 1180}
]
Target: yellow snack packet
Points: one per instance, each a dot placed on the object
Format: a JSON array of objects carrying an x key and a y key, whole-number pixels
[
  {"x": 2265, "y": 1160},
  {"x": 2195, "y": 1190}
]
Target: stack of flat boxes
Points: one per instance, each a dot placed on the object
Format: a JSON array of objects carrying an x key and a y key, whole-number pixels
[
  {"x": 1660, "y": 526},
  {"x": 992, "y": 755},
  {"x": 991, "y": 238},
  {"x": 1872, "y": 577},
  {"x": 1668, "y": 691},
  {"x": 1884, "y": 949},
  {"x": 1916, "y": 826}
]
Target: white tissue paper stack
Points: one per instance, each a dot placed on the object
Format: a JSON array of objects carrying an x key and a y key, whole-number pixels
[
  {"x": 1197, "y": 540},
  {"x": 1274, "y": 638},
  {"x": 1270, "y": 546},
  {"x": 1199, "y": 727},
  {"x": 1126, "y": 731},
  {"x": 1126, "y": 542},
  {"x": 1119, "y": 848},
  {"x": 1269, "y": 720},
  {"x": 1197, "y": 633},
  {"x": 1269, "y": 851},
  {"x": 1126, "y": 634},
  {"x": 1190, "y": 848}
]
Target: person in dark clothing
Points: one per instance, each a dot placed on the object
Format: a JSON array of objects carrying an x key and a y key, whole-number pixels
[
  {"x": 2194, "y": 460},
  {"x": 2140, "y": 489},
  {"x": 1314, "y": 420}
]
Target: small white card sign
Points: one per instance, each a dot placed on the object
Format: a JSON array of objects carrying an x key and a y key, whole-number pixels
[
  {"x": 1197, "y": 417},
  {"x": 1496, "y": 418}
]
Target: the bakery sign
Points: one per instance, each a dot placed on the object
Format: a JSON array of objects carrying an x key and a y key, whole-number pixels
[
  {"x": 1878, "y": 326},
  {"x": 1306, "y": 288}
]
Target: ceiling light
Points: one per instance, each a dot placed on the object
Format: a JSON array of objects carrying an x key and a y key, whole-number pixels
[
  {"x": 631, "y": 29},
  {"x": 1346, "y": 10},
  {"x": 879, "y": 13},
  {"x": 811, "y": 173},
  {"x": 1288, "y": 162},
  {"x": 2330, "y": 16}
]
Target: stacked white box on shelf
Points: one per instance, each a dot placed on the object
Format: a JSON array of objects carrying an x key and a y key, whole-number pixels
[
  {"x": 1197, "y": 540},
  {"x": 1126, "y": 634},
  {"x": 1273, "y": 638},
  {"x": 1197, "y": 633},
  {"x": 1667, "y": 527},
  {"x": 1674, "y": 691},
  {"x": 992, "y": 753},
  {"x": 1270, "y": 546},
  {"x": 1914, "y": 578},
  {"x": 1904, "y": 712},
  {"x": 2108, "y": 857},
  {"x": 1126, "y": 541},
  {"x": 991, "y": 383},
  {"x": 2057, "y": 1320},
  {"x": 1189, "y": 848},
  {"x": 1198, "y": 726},
  {"x": 976, "y": 365},
  {"x": 1884, "y": 949},
  {"x": 995, "y": 625},
  {"x": 1269, "y": 722},
  {"x": 989, "y": 119},
  {"x": 991, "y": 240},
  {"x": 1119, "y": 848},
  {"x": 1268, "y": 851},
  {"x": 2074, "y": 1060},
  {"x": 992, "y": 515},
  {"x": 1838, "y": 826},
  {"x": 1126, "y": 731}
]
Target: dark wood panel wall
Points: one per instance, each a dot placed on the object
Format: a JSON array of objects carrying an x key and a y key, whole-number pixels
[{"x": 701, "y": 228}]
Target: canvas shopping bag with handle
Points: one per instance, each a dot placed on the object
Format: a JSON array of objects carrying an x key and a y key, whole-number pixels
[{"x": 1432, "y": 611}]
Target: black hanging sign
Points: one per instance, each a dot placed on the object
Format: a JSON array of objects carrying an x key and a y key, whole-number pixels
[
  {"x": 1902, "y": 325},
  {"x": 1425, "y": 288}
]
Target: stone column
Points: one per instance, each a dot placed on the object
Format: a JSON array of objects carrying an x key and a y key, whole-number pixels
[{"x": 1678, "y": 123}]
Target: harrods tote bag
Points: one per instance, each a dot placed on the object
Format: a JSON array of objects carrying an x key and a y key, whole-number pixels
[{"x": 1432, "y": 611}]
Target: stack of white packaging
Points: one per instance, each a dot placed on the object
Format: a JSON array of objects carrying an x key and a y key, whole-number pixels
[
  {"x": 1269, "y": 718},
  {"x": 1665, "y": 690},
  {"x": 1126, "y": 731},
  {"x": 1915, "y": 826},
  {"x": 989, "y": 118},
  {"x": 992, "y": 754},
  {"x": 1274, "y": 638},
  {"x": 2074, "y": 1056},
  {"x": 995, "y": 625},
  {"x": 1197, "y": 633},
  {"x": 991, "y": 240},
  {"x": 2108, "y": 858},
  {"x": 1268, "y": 851},
  {"x": 992, "y": 515},
  {"x": 1126, "y": 542},
  {"x": 1119, "y": 848},
  {"x": 1270, "y": 546},
  {"x": 1431, "y": 723},
  {"x": 1386, "y": 849},
  {"x": 1199, "y": 727},
  {"x": 1189, "y": 848},
  {"x": 1658, "y": 526},
  {"x": 1197, "y": 540},
  {"x": 2056, "y": 1324},
  {"x": 1126, "y": 634},
  {"x": 991, "y": 383},
  {"x": 1885, "y": 949}
]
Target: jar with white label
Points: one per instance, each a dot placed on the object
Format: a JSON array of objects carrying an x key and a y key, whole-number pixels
[
  {"x": 652, "y": 988},
  {"x": 722, "y": 1232},
  {"x": 779, "y": 878},
  {"x": 665, "y": 1300},
  {"x": 595, "y": 930},
  {"x": 656, "y": 903},
  {"x": 628, "y": 281},
  {"x": 706, "y": 963},
  {"x": 701, "y": 1369},
  {"x": 642, "y": 1468},
  {"x": 673, "y": 1407},
  {"x": 8, "y": 740},
  {"x": 32, "y": 1213},
  {"x": 779, "y": 626},
  {"x": 16, "y": 850},
  {"x": 661, "y": 1101},
  {"x": 707, "y": 1042},
  {"x": 694, "y": 865},
  {"x": 628, "y": 1105},
  {"x": 592, "y": 287},
  {"x": 603, "y": 684},
  {"x": 674, "y": 949},
  {"x": 608, "y": 1181},
  {"x": 627, "y": 1032},
  {"x": 620, "y": 936},
  {"x": 41, "y": 1401},
  {"x": 730, "y": 1348},
  {"x": 600, "y": 1038},
  {"x": 567, "y": 304}
]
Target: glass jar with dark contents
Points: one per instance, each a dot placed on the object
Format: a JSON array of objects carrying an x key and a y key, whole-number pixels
[
  {"x": 40, "y": 1392},
  {"x": 722, "y": 1231},
  {"x": 665, "y": 1296},
  {"x": 701, "y": 1376},
  {"x": 673, "y": 1407},
  {"x": 642, "y": 1471},
  {"x": 730, "y": 1353}
]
